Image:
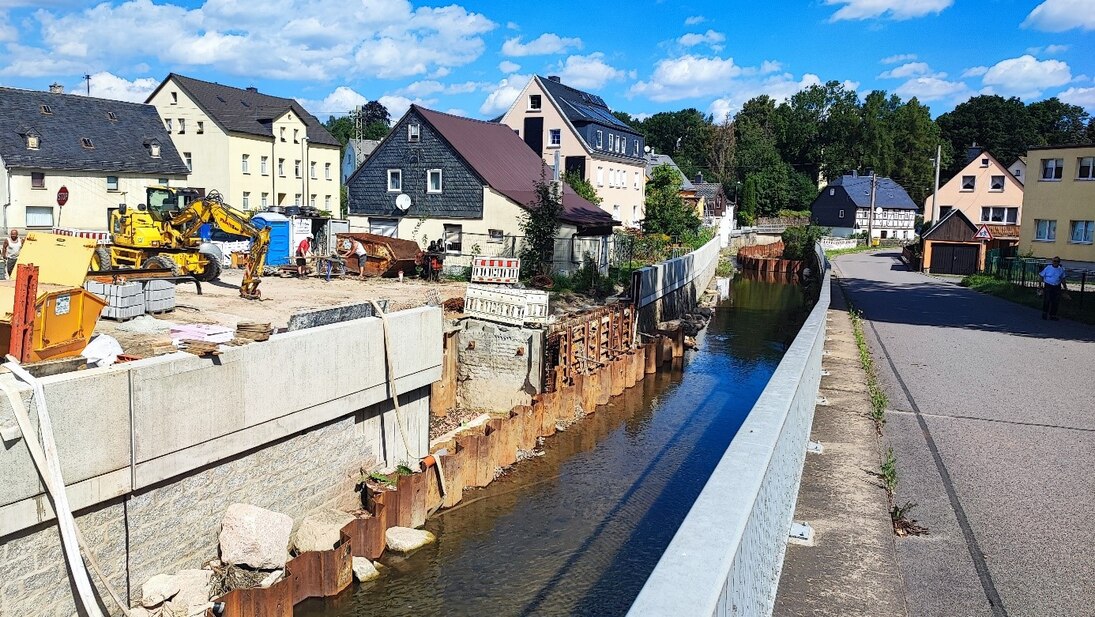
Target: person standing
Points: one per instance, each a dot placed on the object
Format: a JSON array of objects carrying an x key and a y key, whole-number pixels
[
  {"x": 304, "y": 251},
  {"x": 1053, "y": 279},
  {"x": 12, "y": 244},
  {"x": 357, "y": 249}
]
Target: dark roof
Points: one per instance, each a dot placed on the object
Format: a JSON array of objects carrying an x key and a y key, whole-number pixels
[
  {"x": 656, "y": 160},
  {"x": 888, "y": 194},
  {"x": 707, "y": 190},
  {"x": 582, "y": 107},
  {"x": 241, "y": 110},
  {"x": 960, "y": 229},
  {"x": 118, "y": 145},
  {"x": 507, "y": 164}
]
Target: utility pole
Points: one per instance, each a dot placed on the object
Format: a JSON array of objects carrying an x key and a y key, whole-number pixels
[
  {"x": 938, "y": 158},
  {"x": 870, "y": 212}
]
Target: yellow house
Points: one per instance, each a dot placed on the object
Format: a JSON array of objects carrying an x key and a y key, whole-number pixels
[
  {"x": 985, "y": 191},
  {"x": 1059, "y": 202},
  {"x": 257, "y": 150}
]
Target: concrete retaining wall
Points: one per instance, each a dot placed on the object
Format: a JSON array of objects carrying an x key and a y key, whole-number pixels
[
  {"x": 670, "y": 289},
  {"x": 727, "y": 555},
  {"x": 153, "y": 451},
  {"x": 500, "y": 367}
]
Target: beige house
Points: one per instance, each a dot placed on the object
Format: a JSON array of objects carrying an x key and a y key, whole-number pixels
[
  {"x": 1019, "y": 169},
  {"x": 577, "y": 131},
  {"x": 985, "y": 191},
  {"x": 1060, "y": 204},
  {"x": 96, "y": 153},
  {"x": 257, "y": 150}
]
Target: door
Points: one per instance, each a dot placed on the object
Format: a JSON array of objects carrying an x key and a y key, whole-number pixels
[
  {"x": 383, "y": 227},
  {"x": 576, "y": 164},
  {"x": 534, "y": 135},
  {"x": 958, "y": 259}
]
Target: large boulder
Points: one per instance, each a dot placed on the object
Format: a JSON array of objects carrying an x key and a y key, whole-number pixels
[
  {"x": 364, "y": 570},
  {"x": 407, "y": 540},
  {"x": 158, "y": 589},
  {"x": 193, "y": 589},
  {"x": 319, "y": 531},
  {"x": 255, "y": 537}
]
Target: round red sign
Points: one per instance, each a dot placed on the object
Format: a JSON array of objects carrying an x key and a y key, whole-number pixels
[{"x": 62, "y": 196}]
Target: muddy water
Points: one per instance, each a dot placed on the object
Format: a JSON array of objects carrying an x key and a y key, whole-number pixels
[{"x": 578, "y": 530}]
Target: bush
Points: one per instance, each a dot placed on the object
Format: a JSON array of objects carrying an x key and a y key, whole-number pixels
[{"x": 798, "y": 242}]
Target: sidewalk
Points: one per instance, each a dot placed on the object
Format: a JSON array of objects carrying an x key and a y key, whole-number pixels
[{"x": 852, "y": 568}]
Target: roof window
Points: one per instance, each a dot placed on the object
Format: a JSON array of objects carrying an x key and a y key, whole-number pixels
[
  {"x": 111, "y": 115},
  {"x": 86, "y": 142},
  {"x": 32, "y": 141},
  {"x": 46, "y": 110}
]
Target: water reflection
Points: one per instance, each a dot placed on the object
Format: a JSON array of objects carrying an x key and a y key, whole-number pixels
[{"x": 577, "y": 531}]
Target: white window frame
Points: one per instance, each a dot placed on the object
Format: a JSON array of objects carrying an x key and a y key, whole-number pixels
[
  {"x": 245, "y": 163},
  {"x": 282, "y": 134},
  {"x": 327, "y": 171},
  {"x": 281, "y": 168},
  {"x": 182, "y": 126},
  {"x": 167, "y": 124},
  {"x": 397, "y": 175},
  {"x": 201, "y": 127},
  {"x": 188, "y": 158},
  {"x": 312, "y": 170},
  {"x": 296, "y": 136},
  {"x": 1054, "y": 168},
  {"x": 840, "y": 214},
  {"x": 296, "y": 199},
  {"x": 414, "y": 133},
  {"x": 297, "y": 168},
  {"x": 265, "y": 200},
  {"x": 600, "y": 176},
  {"x": 448, "y": 230},
  {"x": 495, "y": 236},
  {"x": 972, "y": 181},
  {"x": 327, "y": 202},
  {"x": 33, "y": 142},
  {"x": 984, "y": 162},
  {"x": 1088, "y": 228},
  {"x": 555, "y": 138},
  {"x": 112, "y": 187},
  {"x": 600, "y": 139},
  {"x": 1050, "y": 230},
  {"x": 1085, "y": 161},
  {"x": 154, "y": 150},
  {"x": 992, "y": 184},
  {"x": 312, "y": 200},
  {"x": 34, "y": 216},
  {"x": 41, "y": 175},
  {"x": 429, "y": 181},
  {"x": 246, "y": 201},
  {"x": 539, "y": 98},
  {"x": 264, "y": 165}
]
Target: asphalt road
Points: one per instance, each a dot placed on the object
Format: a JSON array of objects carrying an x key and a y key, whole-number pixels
[{"x": 992, "y": 421}]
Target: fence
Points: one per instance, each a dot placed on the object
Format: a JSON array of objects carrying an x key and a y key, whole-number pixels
[
  {"x": 838, "y": 243},
  {"x": 727, "y": 555},
  {"x": 567, "y": 255},
  {"x": 1022, "y": 272}
]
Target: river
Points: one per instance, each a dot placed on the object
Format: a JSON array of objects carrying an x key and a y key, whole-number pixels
[{"x": 578, "y": 530}]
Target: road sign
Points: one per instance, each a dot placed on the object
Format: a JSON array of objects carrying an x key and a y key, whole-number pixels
[
  {"x": 62, "y": 196},
  {"x": 982, "y": 233}
]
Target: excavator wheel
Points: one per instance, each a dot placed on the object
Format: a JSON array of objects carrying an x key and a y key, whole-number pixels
[
  {"x": 102, "y": 260},
  {"x": 160, "y": 261},
  {"x": 211, "y": 273}
]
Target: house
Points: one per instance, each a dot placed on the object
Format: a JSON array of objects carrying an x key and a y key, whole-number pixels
[
  {"x": 687, "y": 192},
  {"x": 355, "y": 153},
  {"x": 957, "y": 245},
  {"x": 467, "y": 183},
  {"x": 578, "y": 130},
  {"x": 845, "y": 206},
  {"x": 1018, "y": 169},
  {"x": 1058, "y": 204},
  {"x": 713, "y": 196},
  {"x": 98, "y": 152},
  {"x": 985, "y": 191},
  {"x": 257, "y": 150}
]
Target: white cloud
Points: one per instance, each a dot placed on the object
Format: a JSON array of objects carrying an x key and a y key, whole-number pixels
[
  {"x": 686, "y": 77},
  {"x": 770, "y": 66},
  {"x": 1025, "y": 76},
  {"x": 738, "y": 92},
  {"x": 1084, "y": 97},
  {"x": 892, "y": 9},
  {"x": 710, "y": 38},
  {"x": 975, "y": 71},
  {"x": 898, "y": 58},
  {"x": 909, "y": 69},
  {"x": 106, "y": 85},
  {"x": 340, "y": 101},
  {"x": 694, "y": 20},
  {"x": 1061, "y": 15},
  {"x": 1048, "y": 50},
  {"x": 508, "y": 67},
  {"x": 398, "y": 105},
  {"x": 588, "y": 72},
  {"x": 428, "y": 87},
  {"x": 545, "y": 44},
  {"x": 929, "y": 88},
  {"x": 503, "y": 95},
  {"x": 8, "y": 32}
]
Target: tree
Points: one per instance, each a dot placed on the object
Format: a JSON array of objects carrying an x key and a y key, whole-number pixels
[
  {"x": 1058, "y": 123},
  {"x": 376, "y": 130},
  {"x": 747, "y": 213},
  {"x": 681, "y": 134},
  {"x": 666, "y": 211},
  {"x": 1002, "y": 126},
  {"x": 582, "y": 187},
  {"x": 915, "y": 138},
  {"x": 342, "y": 128},
  {"x": 540, "y": 225},
  {"x": 721, "y": 143},
  {"x": 374, "y": 112}
]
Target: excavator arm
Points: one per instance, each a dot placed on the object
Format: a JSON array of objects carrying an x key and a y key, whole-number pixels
[{"x": 212, "y": 209}]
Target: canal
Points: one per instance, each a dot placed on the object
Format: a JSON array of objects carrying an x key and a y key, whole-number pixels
[{"x": 578, "y": 530}]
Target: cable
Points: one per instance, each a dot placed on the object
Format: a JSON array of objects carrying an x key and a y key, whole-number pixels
[{"x": 391, "y": 381}]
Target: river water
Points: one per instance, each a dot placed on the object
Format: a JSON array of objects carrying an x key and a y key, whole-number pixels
[{"x": 578, "y": 530}]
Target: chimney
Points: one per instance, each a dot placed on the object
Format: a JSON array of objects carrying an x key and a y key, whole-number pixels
[
  {"x": 973, "y": 152},
  {"x": 855, "y": 173},
  {"x": 56, "y": 88},
  {"x": 555, "y": 78},
  {"x": 252, "y": 89},
  {"x": 699, "y": 177}
]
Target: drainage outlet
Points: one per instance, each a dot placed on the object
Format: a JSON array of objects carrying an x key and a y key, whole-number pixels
[
  {"x": 801, "y": 533},
  {"x": 821, "y": 401},
  {"x": 815, "y": 447}
]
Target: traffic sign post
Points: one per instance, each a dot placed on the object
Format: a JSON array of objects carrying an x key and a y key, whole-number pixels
[
  {"x": 983, "y": 233},
  {"x": 62, "y": 199}
]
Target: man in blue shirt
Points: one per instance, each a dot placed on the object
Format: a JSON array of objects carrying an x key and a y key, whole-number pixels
[{"x": 1053, "y": 277}]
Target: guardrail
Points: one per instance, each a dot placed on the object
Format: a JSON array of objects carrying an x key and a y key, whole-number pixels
[{"x": 726, "y": 557}]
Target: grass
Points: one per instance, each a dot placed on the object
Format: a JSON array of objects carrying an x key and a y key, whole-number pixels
[
  {"x": 1075, "y": 307},
  {"x": 879, "y": 400},
  {"x": 889, "y": 473},
  {"x": 830, "y": 253}
]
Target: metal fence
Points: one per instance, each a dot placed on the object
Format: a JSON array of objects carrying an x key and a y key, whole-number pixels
[
  {"x": 1023, "y": 272},
  {"x": 567, "y": 255}
]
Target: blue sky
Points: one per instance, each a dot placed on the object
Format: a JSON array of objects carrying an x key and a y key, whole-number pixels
[{"x": 472, "y": 58}]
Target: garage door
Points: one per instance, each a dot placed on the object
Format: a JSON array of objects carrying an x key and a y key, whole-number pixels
[{"x": 954, "y": 258}]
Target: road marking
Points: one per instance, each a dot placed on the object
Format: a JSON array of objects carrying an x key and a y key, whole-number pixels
[{"x": 998, "y": 421}]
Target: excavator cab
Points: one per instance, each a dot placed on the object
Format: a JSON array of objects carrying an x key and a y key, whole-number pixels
[{"x": 164, "y": 203}]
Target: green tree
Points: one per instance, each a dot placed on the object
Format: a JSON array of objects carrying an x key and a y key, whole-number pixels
[
  {"x": 375, "y": 112},
  {"x": 798, "y": 242},
  {"x": 342, "y": 128},
  {"x": 540, "y": 224},
  {"x": 1002, "y": 126},
  {"x": 915, "y": 137},
  {"x": 747, "y": 213},
  {"x": 682, "y": 135},
  {"x": 1058, "y": 123},
  {"x": 666, "y": 212},
  {"x": 582, "y": 187},
  {"x": 376, "y": 130}
]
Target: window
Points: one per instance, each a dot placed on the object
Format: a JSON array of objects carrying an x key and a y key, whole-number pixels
[
  {"x": 246, "y": 201},
  {"x": 634, "y": 214},
  {"x": 312, "y": 200},
  {"x": 167, "y": 124},
  {"x": 1045, "y": 231},
  {"x": 265, "y": 200},
  {"x": 201, "y": 127},
  {"x": 996, "y": 183},
  {"x": 296, "y": 199},
  {"x": 535, "y": 102},
  {"x": 832, "y": 192},
  {"x": 245, "y": 163},
  {"x": 943, "y": 210},
  {"x": 984, "y": 162},
  {"x": 1085, "y": 168},
  {"x": 616, "y": 212},
  {"x": 296, "y": 168},
  {"x": 636, "y": 179},
  {"x": 296, "y": 139},
  {"x": 174, "y": 98},
  {"x": 182, "y": 125},
  {"x": 32, "y": 142},
  {"x": 281, "y": 167},
  {"x": 600, "y": 176},
  {"x": 86, "y": 142},
  {"x": 281, "y": 133},
  {"x": 636, "y": 147},
  {"x": 840, "y": 214},
  {"x": 154, "y": 150},
  {"x": 1018, "y": 173},
  {"x": 395, "y": 180},
  {"x": 433, "y": 181},
  {"x": 999, "y": 214},
  {"x": 1052, "y": 169},
  {"x": 327, "y": 202},
  {"x": 162, "y": 182},
  {"x": 1082, "y": 232},
  {"x": 189, "y": 161},
  {"x": 495, "y": 236},
  {"x": 600, "y": 139},
  {"x": 312, "y": 170},
  {"x": 414, "y": 132},
  {"x": 264, "y": 165},
  {"x": 623, "y": 145},
  {"x": 40, "y": 216},
  {"x": 555, "y": 137},
  {"x": 327, "y": 170},
  {"x": 969, "y": 183},
  {"x": 384, "y": 227},
  {"x": 112, "y": 183},
  {"x": 454, "y": 238},
  {"x": 37, "y": 180}
]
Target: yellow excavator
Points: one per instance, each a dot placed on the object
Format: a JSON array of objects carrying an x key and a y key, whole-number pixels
[{"x": 165, "y": 234}]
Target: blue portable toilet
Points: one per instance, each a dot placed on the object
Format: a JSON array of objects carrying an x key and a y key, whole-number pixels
[{"x": 278, "y": 253}]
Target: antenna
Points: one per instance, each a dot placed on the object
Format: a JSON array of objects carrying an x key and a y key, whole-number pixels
[
  {"x": 403, "y": 202},
  {"x": 87, "y": 78}
]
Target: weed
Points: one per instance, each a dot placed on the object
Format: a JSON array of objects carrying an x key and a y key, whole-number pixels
[
  {"x": 879, "y": 400},
  {"x": 403, "y": 470},
  {"x": 902, "y": 524},
  {"x": 889, "y": 472},
  {"x": 725, "y": 268},
  {"x": 381, "y": 478}
]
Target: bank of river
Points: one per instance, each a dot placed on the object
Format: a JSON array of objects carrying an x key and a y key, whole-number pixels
[{"x": 578, "y": 530}]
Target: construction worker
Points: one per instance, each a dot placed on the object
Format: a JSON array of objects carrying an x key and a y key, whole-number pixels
[
  {"x": 304, "y": 251},
  {"x": 12, "y": 244},
  {"x": 357, "y": 249}
]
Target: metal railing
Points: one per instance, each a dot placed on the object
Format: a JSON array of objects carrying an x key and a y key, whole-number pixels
[
  {"x": 1024, "y": 272},
  {"x": 726, "y": 557}
]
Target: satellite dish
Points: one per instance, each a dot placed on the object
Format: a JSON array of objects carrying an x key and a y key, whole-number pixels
[
  {"x": 403, "y": 202},
  {"x": 646, "y": 149}
]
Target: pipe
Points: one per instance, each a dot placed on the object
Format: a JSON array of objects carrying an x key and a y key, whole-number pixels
[{"x": 434, "y": 460}]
